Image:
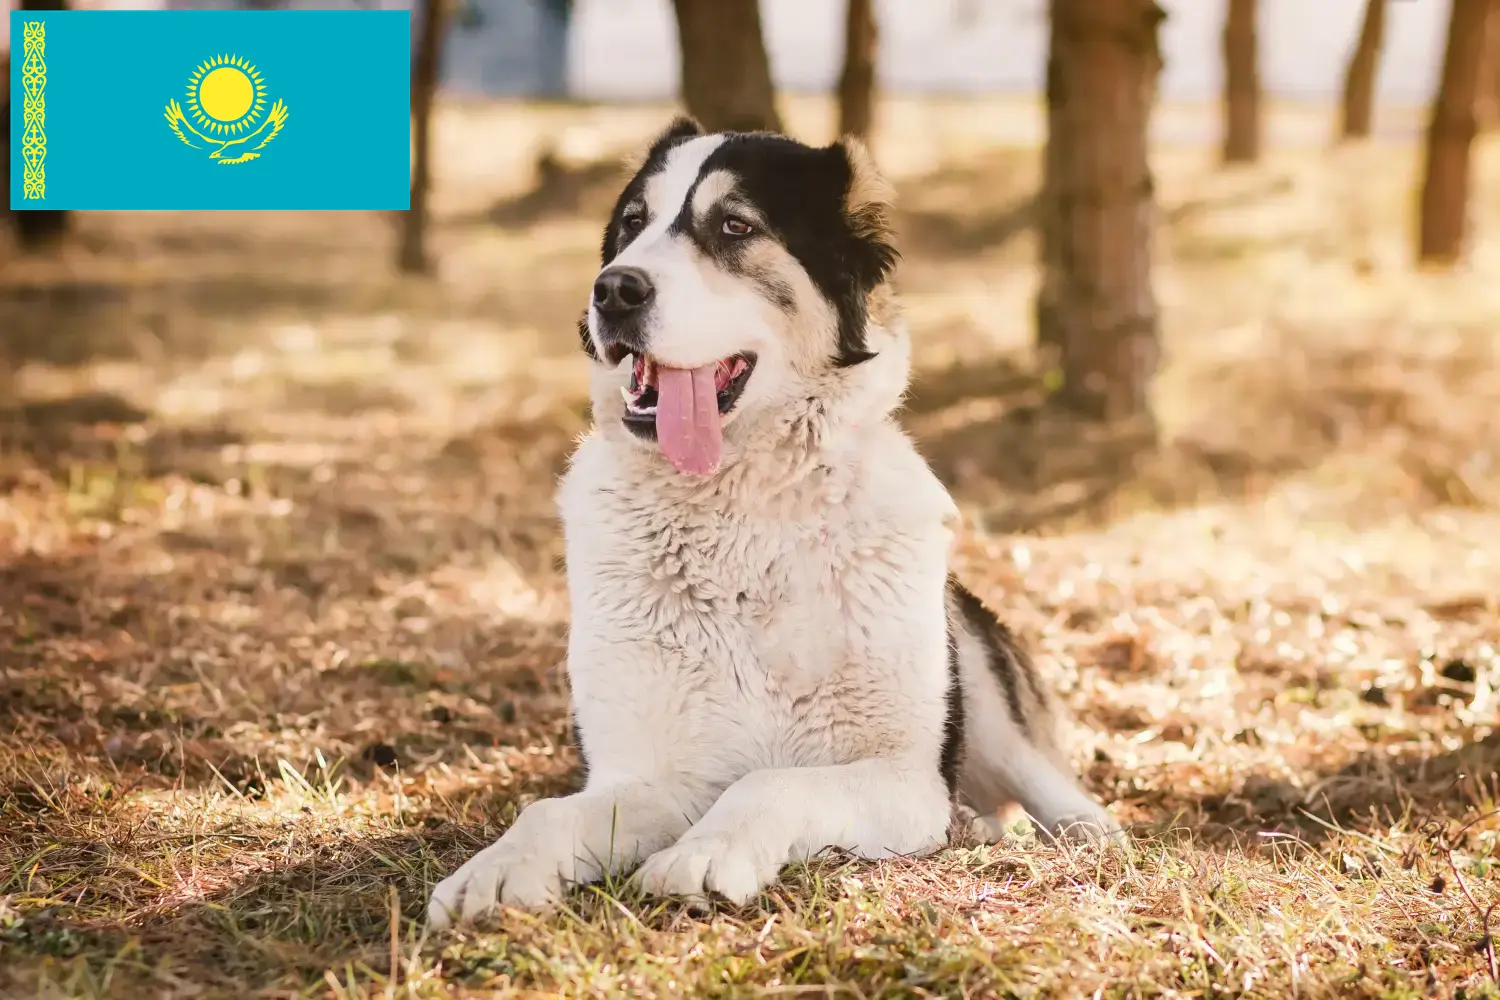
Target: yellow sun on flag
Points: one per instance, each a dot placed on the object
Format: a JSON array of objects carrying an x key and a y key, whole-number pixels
[
  {"x": 226, "y": 100},
  {"x": 226, "y": 95}
]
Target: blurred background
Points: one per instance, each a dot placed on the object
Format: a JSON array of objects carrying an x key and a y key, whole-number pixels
[
  {"x": 627, "y": 50},
  {"x": 1205, "y": 299},
  {"x": 1284, "y": 173}
]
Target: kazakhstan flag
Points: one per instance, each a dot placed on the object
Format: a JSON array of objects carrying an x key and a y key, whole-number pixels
[{"x": 188, "y": 109}]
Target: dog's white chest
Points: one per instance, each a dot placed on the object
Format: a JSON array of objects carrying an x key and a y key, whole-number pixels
[{"x": 797, "y": 630}]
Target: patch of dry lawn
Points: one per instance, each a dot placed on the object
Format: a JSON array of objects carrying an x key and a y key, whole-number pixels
[{"x": 282, "y": 618}]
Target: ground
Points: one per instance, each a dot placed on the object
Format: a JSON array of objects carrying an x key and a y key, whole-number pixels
[{"x": 282, "y": 619}]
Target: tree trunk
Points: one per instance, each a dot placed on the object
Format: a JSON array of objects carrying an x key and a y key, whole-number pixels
[
  {"x": 1241, "y": 84},
  {"x": 1096, "y": 310},
  {"x": 857, "y": 81},
  {"x": 1489, "y": 81},
  {"x": 726, "y": 74},
  {"x": 1359, "y": 78},
  {"x": 412, "y": 257},
  {"x": 35, "y": 229},
  {"x": 1450, "y": 133},
  {"x": 1494, "y": 56}
]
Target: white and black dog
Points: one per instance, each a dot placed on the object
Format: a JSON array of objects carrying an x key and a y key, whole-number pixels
[{"x": 768, "y": 656}]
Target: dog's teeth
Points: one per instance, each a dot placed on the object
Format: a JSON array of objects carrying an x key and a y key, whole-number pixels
[{"x": 625, "y": 395}]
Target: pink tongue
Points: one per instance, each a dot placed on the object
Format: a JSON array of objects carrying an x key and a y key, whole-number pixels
[{"x": 687, "y": 419}]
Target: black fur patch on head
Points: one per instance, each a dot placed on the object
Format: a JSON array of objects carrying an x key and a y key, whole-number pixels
[
  {"x": 808, "y": 198},
  {"x": 681, "y": 130},
  {"x": 819, "y": 203}
]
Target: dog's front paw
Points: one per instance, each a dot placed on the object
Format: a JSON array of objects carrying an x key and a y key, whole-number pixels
[
  {"x": 499, "y": 874},
  {"x": 731, "y": 865},
  {"x": 530, "y": 868}
]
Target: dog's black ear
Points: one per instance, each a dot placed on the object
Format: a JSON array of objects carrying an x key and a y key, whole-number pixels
[
  {"x": 679, "y": 131},
  {"x": 868, "y": 198},
  {"x": 682, "y": 127},
  {"x": 869, "y": 252}
]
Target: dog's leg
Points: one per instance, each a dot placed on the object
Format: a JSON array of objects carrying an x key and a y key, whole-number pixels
[
  {"x": 1012, "y": 732},
  {"x": 555, "y": 842},
  {"x": 1001, "y": 768},
  {"x": 874, "y": 808}
]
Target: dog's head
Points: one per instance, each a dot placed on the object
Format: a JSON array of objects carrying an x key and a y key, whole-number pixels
[{"x": 744, "y": 276}]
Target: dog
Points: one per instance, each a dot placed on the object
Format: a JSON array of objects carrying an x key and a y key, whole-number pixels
[{"x": 768, "y": 655}]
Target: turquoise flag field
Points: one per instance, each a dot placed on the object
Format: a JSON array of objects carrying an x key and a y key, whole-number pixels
[{"x": 175, "y": 109}]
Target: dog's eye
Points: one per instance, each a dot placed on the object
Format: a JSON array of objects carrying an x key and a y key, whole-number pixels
[
  {"x": 735, "y": 226},
  {"x": 633, "y": 222}
]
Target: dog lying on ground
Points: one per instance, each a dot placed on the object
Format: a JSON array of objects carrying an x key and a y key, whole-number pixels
[{"x": 768, "y": 655}]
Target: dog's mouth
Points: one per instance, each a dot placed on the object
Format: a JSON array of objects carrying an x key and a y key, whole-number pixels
[
  {"x": 672, "y": 406},
  {"x": 731, "y": 375}
]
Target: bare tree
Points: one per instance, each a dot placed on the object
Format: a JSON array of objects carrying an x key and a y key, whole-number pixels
[
  {"x": 1450, "y": 134},
  {"x": 1359, "y": 78},
  {"x": 1489, "y": 81},
  {"x": 726, "y": 74},
  {"x": 857, "y": 81},
  {"x": 1494, "y": 57},
  {"x": 1096, "y": 310},
  {"x": 413, "y": 257},
  {"x": 1241, "y": 84}
]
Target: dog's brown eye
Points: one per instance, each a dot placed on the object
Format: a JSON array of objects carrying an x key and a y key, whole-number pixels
[
  {"x": 634, "y": 221},
  {"x": 734, "y": 226}
]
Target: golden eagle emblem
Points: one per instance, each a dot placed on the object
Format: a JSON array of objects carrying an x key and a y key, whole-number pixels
[{"x": 226, "y": 109}]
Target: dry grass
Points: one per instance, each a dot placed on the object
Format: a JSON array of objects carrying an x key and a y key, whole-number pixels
[{"x": 281, "y": 620}]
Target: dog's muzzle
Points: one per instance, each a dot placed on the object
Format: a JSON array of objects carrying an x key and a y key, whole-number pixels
[{"x": 622, "y": 298}]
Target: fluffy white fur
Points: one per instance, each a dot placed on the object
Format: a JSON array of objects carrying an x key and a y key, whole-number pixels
[{"x": 758, "y": 658}]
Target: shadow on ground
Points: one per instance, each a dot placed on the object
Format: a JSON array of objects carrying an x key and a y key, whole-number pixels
[
  {"x": 273, "y": 924},
  {"x": 1376, "y": 792},
  {"x": 991, "y": 433}
]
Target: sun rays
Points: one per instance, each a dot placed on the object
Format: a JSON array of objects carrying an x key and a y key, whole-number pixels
[{"x": 226, "y": 95}]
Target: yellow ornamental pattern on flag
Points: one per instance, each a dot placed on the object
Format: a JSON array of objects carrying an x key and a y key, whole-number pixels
[
  {"x": 226, "y": 109},
  {"x": 34, "y": 111}
]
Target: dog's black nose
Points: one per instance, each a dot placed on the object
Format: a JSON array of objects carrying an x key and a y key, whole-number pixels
[{"x": 622, "y": 290}]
